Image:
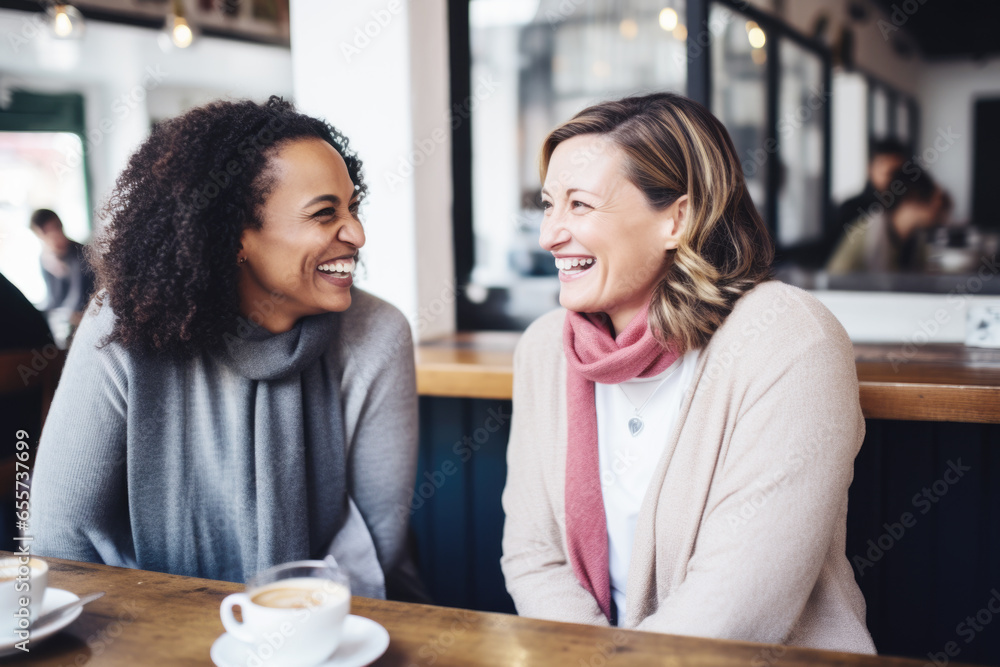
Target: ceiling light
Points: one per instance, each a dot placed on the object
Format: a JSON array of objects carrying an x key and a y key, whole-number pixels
[
  {"x": 67, "y": 22},
  {"x": 180, "y": 33},
  {"x": 177, "y": 32},
  {"x": 628, "y": 28},
  {"x": 668, "y": 18}
]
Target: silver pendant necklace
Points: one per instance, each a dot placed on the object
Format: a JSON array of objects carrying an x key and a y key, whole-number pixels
[{"x": 635, "y": 424}]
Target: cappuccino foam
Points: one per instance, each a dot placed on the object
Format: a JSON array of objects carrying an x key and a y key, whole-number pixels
[{"x": 299, "y": 593}]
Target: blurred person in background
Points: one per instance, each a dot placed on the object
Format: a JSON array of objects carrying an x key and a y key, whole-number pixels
[
  {"x": 886, "y": 157},
  {"x": 890, "y": 235},
  {"x": 68, "y": 280}
]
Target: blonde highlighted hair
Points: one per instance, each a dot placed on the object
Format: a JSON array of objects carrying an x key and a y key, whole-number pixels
[{"x": 674, "y": 146}]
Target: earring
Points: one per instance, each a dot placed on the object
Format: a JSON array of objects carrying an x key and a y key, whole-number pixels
[{"x": 242, "y": 260}]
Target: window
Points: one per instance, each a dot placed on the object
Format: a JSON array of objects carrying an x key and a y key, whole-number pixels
[
  {"x": 769, "y": 89},
  {"x": 739, "y": 94},
  {"x": 802, "y": 128},
  {"x": 37, "y": 170},
  {"x": 892, "y": 114}
]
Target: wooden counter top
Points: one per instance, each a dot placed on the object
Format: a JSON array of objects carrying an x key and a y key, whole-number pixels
[
  {"x": 942, "y": 382},
  {"x": 468, "y": 365}
]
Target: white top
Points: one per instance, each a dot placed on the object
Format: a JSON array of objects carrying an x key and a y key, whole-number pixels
[{"x": 627, "y": 462}]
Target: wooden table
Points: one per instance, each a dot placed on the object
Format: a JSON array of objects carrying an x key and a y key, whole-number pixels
[
  {"x": 148, "y": 618},
  {"x": 939, "y": 382}
]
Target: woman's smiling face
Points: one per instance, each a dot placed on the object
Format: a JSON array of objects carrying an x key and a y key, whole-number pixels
[
  {"x": 609, "y": 244},
  {"x": 305, "y": 251}
]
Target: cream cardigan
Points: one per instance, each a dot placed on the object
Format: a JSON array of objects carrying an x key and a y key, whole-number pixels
[{"x": 741, "y": 534}]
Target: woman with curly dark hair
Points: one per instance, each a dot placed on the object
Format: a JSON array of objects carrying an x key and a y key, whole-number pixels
[{"x": 231, "y": 401}]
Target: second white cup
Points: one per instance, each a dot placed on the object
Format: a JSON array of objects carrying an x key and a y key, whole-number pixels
[{"x": 23, "y": 581}]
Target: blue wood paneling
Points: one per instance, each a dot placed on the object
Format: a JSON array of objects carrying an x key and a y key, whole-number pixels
[
  {"x": 457, "y": 515},
  {"x": 942, "y": 569}
]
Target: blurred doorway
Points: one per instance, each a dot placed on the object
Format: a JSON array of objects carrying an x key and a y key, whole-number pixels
[{"x": 42, "y": 165}]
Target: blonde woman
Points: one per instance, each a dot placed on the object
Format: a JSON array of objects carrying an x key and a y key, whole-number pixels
[{"x": 684, "y": 432}]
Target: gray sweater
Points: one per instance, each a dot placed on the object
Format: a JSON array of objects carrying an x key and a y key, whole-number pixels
[{"x": 278, "y": 448}]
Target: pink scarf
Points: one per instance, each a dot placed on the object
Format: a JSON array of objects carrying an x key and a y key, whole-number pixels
[{"x": 592, "y": 355}]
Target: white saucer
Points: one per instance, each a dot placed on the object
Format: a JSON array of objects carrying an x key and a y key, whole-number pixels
[
  {"x": 54, "y": 597},
  {"x": 362, "y": 643}
]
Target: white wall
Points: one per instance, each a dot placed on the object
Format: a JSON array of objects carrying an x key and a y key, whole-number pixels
[
  {"x": 947, "y": 94},
  {"x": 378, "y": 71},
  {"x": 915, "y": 319}
]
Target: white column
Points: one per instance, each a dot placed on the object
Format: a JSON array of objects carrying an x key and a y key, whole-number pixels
[{"x": 378, "y": 71}]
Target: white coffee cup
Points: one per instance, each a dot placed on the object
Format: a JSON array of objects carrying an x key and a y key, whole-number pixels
[
  {"x": 293, "y": 613},
  {"x": 23, "y": 580}
]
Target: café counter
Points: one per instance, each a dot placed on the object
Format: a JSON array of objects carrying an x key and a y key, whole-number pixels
[{"x": 935, "y": 382}]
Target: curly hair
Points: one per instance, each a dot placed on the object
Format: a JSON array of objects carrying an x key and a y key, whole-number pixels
[
  {"x": 166, "y": 259},
  {"x": 674, "y": 146}
]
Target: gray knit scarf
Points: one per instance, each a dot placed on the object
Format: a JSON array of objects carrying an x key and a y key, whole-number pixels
[{"x": 249, "y": 466}]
